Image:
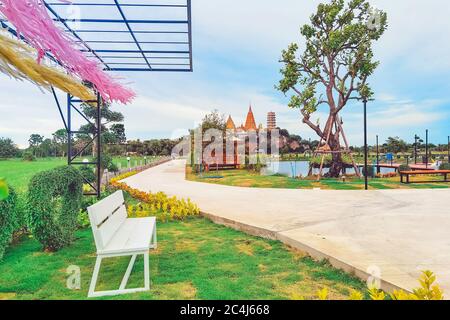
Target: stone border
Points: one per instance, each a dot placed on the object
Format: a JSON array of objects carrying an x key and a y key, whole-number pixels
[{"x": 108, "y": 176}]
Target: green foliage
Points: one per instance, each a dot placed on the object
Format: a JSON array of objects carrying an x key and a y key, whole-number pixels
[
  {"x": 83, "y": 219},
  {"x": 213, "y": 120},
  {"x": 107, "y": 163},
  {"x": 28, "y": 156},
  {"x": 328, "y": 159},
  {"x": 8, "y": 219},
  {"x": 88, "y": 173},
  {"x": 54, "y": 201},
  {"x": 444, "y": 166},
  {"x": 336, "y": 63},
  {"x": 7, "y": 148},
  {"x": 395, "y": 145}
]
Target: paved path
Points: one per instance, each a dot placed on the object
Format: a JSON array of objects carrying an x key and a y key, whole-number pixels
[{"x": 399, "y": 231}]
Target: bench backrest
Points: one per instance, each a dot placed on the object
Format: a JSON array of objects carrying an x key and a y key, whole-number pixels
[{"x": 106, "y": 217}]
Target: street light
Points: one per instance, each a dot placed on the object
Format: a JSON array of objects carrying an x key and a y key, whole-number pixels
[
  {"x": 366, "y": 182},
  {"x": 426, "y": 150},
  {"x": 416, "y": 138},
  {"x": 378, "y": 157},
  {"x": 448, "y": 148}
]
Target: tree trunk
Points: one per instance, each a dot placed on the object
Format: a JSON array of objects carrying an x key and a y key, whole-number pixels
[{"x": 337, "y": 165}]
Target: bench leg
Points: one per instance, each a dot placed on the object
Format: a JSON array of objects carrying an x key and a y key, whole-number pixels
[
  {"x": 98, "y": 263},
  {"x": 146, "y": 271},
  {"x": 123, "y": 284},
  {"x": 154, "y": 244},
  {"x": 122, "y": 290}
]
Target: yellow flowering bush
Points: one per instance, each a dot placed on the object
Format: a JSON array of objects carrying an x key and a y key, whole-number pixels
[
  {"x": 428, "y": 290},
  {"x": 165, "y": 208}
]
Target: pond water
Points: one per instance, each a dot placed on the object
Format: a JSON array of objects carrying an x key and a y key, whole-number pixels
[{"x": 301, "y": 168}]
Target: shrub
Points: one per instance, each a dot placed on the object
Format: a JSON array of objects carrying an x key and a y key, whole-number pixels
[
  {"x": 164, "y": 208},
  {"x": 54, "y": 201},
  {"x": 28, "y": 156},
  {"x": 404, "y": 167},
  {"x": 157, "y": 204},
  {"x": 444, "y": 166},
  {"x": 8, "y": 219},
  {"x": 88, "y": 173}
]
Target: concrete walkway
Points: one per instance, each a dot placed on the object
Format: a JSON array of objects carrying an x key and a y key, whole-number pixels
[{"x": 399, "y": 232}]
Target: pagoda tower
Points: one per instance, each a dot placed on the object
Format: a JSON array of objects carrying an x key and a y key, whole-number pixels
[
  {"x": 230, "y": 124},
  {"x": 250, "y": 123}
]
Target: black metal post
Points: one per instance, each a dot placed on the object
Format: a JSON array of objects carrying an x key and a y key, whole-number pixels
[
  {"x": 426, "y": 150},
  {"x": 69, "y": 129},
  {"x": 415, "y": 148},
  {"x": 448, "y": 148},
  {"x": 378, "y": 157},
  {"x": 366, "y": 173},
  {"x": 99, "y": 144}
]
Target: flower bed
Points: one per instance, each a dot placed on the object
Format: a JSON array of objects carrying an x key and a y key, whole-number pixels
[{"x": 165, "y": 208}]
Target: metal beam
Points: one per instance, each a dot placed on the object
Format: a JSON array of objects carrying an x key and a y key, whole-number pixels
[
  {"x": 122, "y": 21},
  {"x": 127, "y": 23}
]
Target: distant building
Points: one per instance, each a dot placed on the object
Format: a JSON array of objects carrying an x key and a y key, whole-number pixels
[
  {"x": 230, "y": 124},
  {"x": 250, "y": 123},
  {"x": 271, "y": 121}
]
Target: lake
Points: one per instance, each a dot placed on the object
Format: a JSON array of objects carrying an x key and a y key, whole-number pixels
[{"x": 301, "y": 168}]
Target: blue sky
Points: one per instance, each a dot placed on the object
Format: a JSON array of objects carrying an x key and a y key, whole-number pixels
[{"x": 236, "y": 48}]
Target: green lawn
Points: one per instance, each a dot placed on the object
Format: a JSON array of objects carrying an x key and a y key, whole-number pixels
[
  {"x": 196, "y": 259},
  {"x": 244, "y": 178},
  {"x": 18, "y": 172}
]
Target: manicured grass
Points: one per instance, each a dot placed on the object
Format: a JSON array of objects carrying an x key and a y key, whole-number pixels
[
  {"x": 196, "y": 259},
  {"x": 18, "y": 172},
  {"x": 244, "y": 178}
]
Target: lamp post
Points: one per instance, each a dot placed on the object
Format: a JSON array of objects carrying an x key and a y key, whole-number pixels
[
  {"x": 366, "y": 182},
  {"x": 426, "y": 149},
  {"x": 448, "y": 148},
  {"x": 416, "y": 138},
  {"x": 378, "y": 157}
]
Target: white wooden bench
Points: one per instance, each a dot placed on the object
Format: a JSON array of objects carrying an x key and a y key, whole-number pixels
[{"x": 117, "y": 235}]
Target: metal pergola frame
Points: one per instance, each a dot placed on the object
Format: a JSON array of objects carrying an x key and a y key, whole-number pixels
[{"x": 137, "y": 52}]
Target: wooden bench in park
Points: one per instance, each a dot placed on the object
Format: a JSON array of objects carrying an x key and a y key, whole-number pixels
[
  {"x": 116, "y": 235},
  {"x": 223, "y": 166},
  {"x": 407, "y": 174}
]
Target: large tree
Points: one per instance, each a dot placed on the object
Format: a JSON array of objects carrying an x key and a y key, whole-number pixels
[
  {"x": 60, "y": 138},
  {"x": 35, "y": 141},
  {"x": 7, "y": 148},
  {"x": 334, "y": 67},
  {"x": 108, "y": 118}
]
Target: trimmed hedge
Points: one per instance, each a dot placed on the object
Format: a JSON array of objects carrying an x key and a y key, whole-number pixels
[
  {"x": 444, "y": 166},
  {"x": 54, "y": 202},
  {"x": 8, "y": 219}
]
